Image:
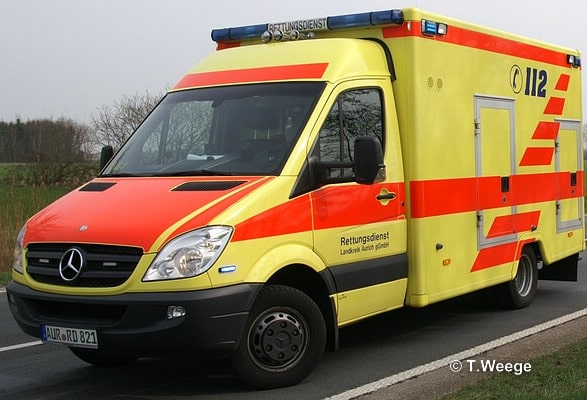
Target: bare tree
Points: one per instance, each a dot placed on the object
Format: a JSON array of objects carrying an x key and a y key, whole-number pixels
[
  {"x": 114, "y": 124},
  {"x": 56, "y": 147}
]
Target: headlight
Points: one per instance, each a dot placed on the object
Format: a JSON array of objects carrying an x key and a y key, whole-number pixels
[
  {"x": 18, "y": 264},
  {"x": 190, "y": 254}
]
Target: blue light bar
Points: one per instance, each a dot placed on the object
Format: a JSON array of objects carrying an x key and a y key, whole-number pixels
[
  {"x": 387, "y": 17},
  {"x": 429, "y": 27},
  {"x": 248, "y": 32},
  {"x": 238, "y": 33},
  {"x": 433, "y": 28},
  {"x": 311, "y": 25},
  {"x": 349, "y": 21},
  {"x": 221, "y": 35},
  {"x": 366, "y": 19}
]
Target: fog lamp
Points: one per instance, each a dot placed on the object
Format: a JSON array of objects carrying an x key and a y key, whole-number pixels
[{"x": 175, "y": 312}]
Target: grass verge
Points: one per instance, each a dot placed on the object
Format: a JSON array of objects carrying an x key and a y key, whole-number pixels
[
  {"x": 4, "y": 278},
  {"x": 17, "y": 204},
  {"x": 558, "y": 376}
]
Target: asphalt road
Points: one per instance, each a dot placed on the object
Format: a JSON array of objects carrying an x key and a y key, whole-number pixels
[{"x": 369, "y": 351}]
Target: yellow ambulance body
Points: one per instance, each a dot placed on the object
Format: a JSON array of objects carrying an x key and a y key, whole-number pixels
[{"x": 310, "y": 174}]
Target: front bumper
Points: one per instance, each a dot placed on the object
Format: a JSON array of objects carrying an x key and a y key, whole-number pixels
[{"x": 136, "y": 324}]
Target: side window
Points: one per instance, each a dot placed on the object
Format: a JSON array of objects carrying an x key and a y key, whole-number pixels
[{"x": 355, "y": 113}]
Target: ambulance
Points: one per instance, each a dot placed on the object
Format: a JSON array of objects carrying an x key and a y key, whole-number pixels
[{"x": 305, "y": 176}]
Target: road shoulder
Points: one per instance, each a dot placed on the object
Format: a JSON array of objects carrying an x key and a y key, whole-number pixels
[{"x": 443, "y": 381}]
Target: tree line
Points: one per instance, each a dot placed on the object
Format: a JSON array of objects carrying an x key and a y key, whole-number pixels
[
  {"x": 64, "y": 140},
  {"x": 43, "y": 141},
  {"x": 52, "y": 147}
]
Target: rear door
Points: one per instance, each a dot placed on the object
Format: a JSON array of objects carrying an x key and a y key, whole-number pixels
[
  {"x": 568, "y": 165},
  {"x": 495, "y": 165}
]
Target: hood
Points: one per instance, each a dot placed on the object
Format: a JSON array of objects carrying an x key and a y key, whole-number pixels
[{"x": 141, "y": 212}]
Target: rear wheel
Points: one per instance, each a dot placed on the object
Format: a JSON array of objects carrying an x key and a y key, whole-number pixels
[
  {"x": 283, "y": 340},
  {"x": 99, "y": 359},
  {"x": 520, "y": 292}
]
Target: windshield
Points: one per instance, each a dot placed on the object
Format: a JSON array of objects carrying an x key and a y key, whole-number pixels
[{"x": 231, "y": 130}]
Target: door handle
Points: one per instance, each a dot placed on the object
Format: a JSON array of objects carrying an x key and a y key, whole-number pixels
[{"x": 386, "y": 196}]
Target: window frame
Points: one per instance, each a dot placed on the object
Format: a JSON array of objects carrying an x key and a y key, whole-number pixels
[{"x": 342, "y": 148}]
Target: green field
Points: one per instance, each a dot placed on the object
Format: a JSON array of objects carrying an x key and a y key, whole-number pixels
[
  {"x": 558, "y": 376},
  {"x": 19, "y": 202}
]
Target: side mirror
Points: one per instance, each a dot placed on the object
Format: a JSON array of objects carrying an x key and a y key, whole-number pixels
[
  {"x": 369, "y": 165},
  {"x": 105, "y": 156}
]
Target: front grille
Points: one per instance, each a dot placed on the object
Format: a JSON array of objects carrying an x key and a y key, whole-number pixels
[{"x": 105, "y": 266}]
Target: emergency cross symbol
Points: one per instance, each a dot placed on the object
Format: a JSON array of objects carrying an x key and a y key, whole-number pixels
[{"x": 71, "y": 264}]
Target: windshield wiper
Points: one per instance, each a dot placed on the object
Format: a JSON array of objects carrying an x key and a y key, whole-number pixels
[
  {"x": 195, "y": 172},
  {"x": 121, "y": 175}
]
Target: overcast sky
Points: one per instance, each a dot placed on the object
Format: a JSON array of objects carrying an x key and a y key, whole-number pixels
[{"x": 66, "y": 58}]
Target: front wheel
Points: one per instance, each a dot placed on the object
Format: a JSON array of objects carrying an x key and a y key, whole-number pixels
[
  {"x": 520, "y": 292},
  {"x": 283, "y": 340}
]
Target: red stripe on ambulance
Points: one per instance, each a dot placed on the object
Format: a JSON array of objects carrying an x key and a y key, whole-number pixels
[
  {"x": 534, "y": 156},
  {"x": 522, "y": 222},
  {"x": 482, "y": 41},
  {"x": 555, "y": 106},
  {"x": 451, "y": 196},
  {"x": 290, "y": 217},
  {"x": 338, "y": 206},
  {"x": 498, "y": 255},
  {"x": 563, "y": 82},
  {"x": 546, "y": 130},
  {"x": 537, "y": 156},
  {"x": 332, "y": 207},
  {"x": 246, "y": 75},
  {"x": 206, "y": 216}
]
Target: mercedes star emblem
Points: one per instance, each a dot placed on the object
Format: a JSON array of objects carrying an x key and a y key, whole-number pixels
[{"x": 71, "y": 264}]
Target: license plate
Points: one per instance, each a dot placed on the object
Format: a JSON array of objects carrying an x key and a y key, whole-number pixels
[{"x": 70, "y": 336}]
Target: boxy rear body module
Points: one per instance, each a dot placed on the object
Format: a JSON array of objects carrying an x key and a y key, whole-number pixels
[{"x": 310, "y": 174}]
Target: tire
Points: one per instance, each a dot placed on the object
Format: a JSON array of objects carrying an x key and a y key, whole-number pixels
[
  {"x": 283, "y": 340},
  {"x": 98, "y": 359},
  {"x": 520, "y": 292}
]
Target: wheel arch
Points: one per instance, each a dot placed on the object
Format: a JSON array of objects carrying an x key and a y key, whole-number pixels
[
  {"x": 536, "y": 244},
  {"x": 521, "y": 290},
  {"x": 319, "y": 287},
  {"x": 298, "y": 266}
]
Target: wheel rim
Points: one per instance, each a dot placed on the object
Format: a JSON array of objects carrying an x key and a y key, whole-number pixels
[
  {"x": 524, "y": 276},
  {"x": 278, "y": 339}
]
